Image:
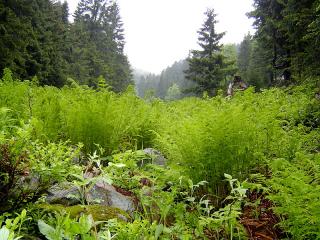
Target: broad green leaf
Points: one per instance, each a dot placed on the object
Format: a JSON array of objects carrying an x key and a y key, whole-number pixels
[
  {"x": 86, "y": 223},
  {"x": 4, "y": 233},
  {"x": 49, "y": 232}
]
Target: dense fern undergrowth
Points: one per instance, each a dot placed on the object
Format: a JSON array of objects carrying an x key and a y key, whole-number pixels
[{"x": 273, "y": 134}]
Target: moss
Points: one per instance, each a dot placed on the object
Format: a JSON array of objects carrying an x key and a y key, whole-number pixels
[{"x": 98, "y": 212}]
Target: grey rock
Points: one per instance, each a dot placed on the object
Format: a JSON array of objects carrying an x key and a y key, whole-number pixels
[
  {"x": 100, "y": 193},
  {"x": 30, "y": 183},
  {"x": 63, "y": 193},
  {"x": 27, "y": 185},
  {"x": 156, "y": 157},
  {"x": 105, "y": 194}
]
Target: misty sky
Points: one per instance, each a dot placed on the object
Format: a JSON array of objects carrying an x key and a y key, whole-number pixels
[{"x": 160, "y": 32}]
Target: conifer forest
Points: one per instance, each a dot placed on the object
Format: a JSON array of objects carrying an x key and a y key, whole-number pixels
[{"x": 224, "y": 144}]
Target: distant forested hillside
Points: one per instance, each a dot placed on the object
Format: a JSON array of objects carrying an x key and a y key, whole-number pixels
[
  {"x": 172, "y": 82},
  {"x": 37, "y": 40}
]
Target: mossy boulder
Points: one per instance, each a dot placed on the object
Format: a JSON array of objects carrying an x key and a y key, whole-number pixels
[
  {"x": 101, "y": 192},
  {"x": 107, "y": 195},
  {"x": 98, "y": 212}
]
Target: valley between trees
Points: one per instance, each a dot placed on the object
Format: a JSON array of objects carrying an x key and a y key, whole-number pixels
[{"x": 86, "y": 154}]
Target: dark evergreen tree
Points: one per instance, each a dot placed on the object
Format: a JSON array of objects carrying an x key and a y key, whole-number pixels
[
  {"x": 114, "y": 26},
  {"x": 38, "y": 40},
  {"x": 288, "y": 30},
  {"x": 298, "y": 15},
  {"x": 267, "y": 16},
  {"x": 32, "y": 40},
  {"x": 260, "y": 71},
  {"x": 244, "y": 55},
  {"x": 52, "y": 37},
  {"x": 254, "y": 63},
  {"x": 99, "y": 42},
  {"x": 312, "y": 38},
  {"x": 14, "y": 49},
  {"x": 206, "y": 66},
  {"x": 65, "y": 12}
]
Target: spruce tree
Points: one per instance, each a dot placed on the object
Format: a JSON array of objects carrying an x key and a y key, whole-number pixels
[
  {"x": 244, "y": 55},
  {"x": 312, "y": 38},
  {"x": 260, "y": 71},
  {"x": 268, "y": 15},
  {"x": 113, "y": 25},
  {"x": 18, "y": 44},
  {"x": 38, "y": 40},
  {"x": 206, "y": 66},
  {"x": 297, "y": 17},
  {"x": 33, "y": 39},
  {"x": 99, "y": 42},
  {"x": 287, "y": 31},
  {"x": 65, "y": 12}
]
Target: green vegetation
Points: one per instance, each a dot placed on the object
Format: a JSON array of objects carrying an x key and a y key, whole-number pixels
[
  {"x": 272, "y": 132},
  {"x": 91, "y": 160},
  {"x": 296, "y": 187},
  {"x": 38, "y": 41}
]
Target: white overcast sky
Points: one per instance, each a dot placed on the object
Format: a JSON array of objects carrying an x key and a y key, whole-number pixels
[{"x": 160, "y": 32}]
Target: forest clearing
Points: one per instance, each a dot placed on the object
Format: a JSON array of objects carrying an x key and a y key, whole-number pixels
[{"x": 224, "y": 144}]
